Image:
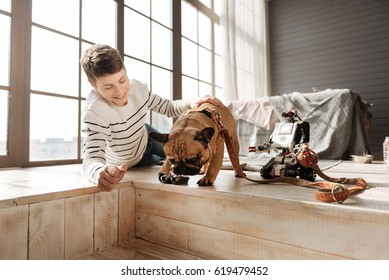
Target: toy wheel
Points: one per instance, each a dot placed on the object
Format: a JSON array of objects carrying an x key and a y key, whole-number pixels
[
  {"x": 307, "y": 174},
  {"x": 266, "y": 169},
  {"x": 291, "y": 173}
]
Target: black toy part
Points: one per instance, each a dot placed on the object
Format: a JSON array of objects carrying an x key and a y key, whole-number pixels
[{"x": 173, "y": 179}]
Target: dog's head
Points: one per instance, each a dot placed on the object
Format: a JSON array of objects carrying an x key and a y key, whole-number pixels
[{"x": 186, "y": 149}]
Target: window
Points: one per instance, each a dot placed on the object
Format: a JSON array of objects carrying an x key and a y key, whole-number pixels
[
  {"x": 5, "y": 55},
  {"x": 201, "y": 53},
  {"x": 148, "y": 49},
  {"x": 43, "y": 88},
  {"x": 55, "y": 97}
]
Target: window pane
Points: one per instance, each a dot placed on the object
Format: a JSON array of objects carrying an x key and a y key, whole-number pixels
[
  {"x": 5, "y": 37},
  {"x": 138, "y": 70},
  {"x": 205, "y": 89},
  {"x": 3, "y": 122},
  {"x": 161, "y": 11},
  {"x": 5, "y": 5},
  {"x": 189, "y": 21},
  {"x": 53, "y": 128},
  {"x": 205, "y": 65},
  {"x": 56, "y": 14},
  {"x": 217, "y": 6},
  {"x": 162, "y": 82},
  {"x": 205, "y": 31},
  {"x": 219, "y": 71},
  {"x": 54, "y": 63},
  {"x": 161, "y": 122},
  {"x": 136, "y": 35},
  {"x": 219, "y": 93},
  {"x": 162, "y": 85},
  {"x": 142, "y": 6},
  {"x": 99, "y": 21},
  {"x": 190, "y": 88},
  {"x": 189, "y": 58},
  {"x": 218, "y": 39},
  {"x": 161, "y": 46}
]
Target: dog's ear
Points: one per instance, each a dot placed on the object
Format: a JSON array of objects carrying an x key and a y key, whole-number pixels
[
  {"x": 160, "y": 137},
  {"x": 205, "y": 135}
]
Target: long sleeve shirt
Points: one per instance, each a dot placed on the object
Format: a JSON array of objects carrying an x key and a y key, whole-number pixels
[{"x": 117, "y": 135}]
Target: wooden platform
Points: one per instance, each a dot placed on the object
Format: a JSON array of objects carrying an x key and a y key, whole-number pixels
[
  {"x": 55, "y": 213},
  {"x": 139, "y": 249}
]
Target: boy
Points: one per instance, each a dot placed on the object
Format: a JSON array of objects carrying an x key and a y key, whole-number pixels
[{"x": 116, "y": 135}]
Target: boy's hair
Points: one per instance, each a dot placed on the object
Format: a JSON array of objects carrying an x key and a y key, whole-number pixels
[{"x": 100, "y": 60}]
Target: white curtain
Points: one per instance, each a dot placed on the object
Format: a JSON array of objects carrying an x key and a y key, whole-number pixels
[{"x": 243, "y": 25}]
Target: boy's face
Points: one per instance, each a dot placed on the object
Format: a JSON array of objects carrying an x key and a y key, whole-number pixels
[{"x": 114, "y": 87}]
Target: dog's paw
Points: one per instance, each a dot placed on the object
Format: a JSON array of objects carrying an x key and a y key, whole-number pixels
[
  {"x": 241, "y": 175},
  {"x": 164, "y": 178},
  {"x": 204, "y": 168},
  {"x": 204, "y": 182},
  {"x": 165, "y": 168}
]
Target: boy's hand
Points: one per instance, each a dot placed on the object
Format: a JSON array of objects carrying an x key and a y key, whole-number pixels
[
  {"x": 194, "y": 103},
  {"x": 110, "y": 176}
]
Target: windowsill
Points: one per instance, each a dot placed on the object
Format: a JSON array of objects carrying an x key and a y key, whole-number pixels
[{"x": 21, "y": 186}]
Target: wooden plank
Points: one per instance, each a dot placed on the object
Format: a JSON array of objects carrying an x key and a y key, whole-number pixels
[
  {"x": 139, "y": 249},
  {"x": 126, "y": 215},
  {"x": 79, "y": 217},
  {"x": 129, "y": 253},
  {"x": 211, "y": 243},
  {"x": 106, "y": 220},
  {"x": 13, "y": 233},
  {"x": 93, "y": 257},
  {"x": 329, "y": 228},
  {"x": 160, "y": 252},
  {"x": 50, "y": 195},
  {"x": 46, "y": 228}
]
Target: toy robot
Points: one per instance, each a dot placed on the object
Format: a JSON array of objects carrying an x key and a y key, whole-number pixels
[{"x": 287, "y": 139}]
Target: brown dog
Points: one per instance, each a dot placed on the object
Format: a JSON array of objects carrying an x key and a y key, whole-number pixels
[{"x": 194, "y": 145}]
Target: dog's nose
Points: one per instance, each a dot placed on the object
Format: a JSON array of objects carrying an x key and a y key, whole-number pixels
[{"x": 182, "y": 169}]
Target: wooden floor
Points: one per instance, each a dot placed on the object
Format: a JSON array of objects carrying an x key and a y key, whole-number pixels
[{"x": 140, "y": 250}]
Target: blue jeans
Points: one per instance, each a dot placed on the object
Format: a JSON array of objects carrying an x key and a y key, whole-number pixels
[{"x": 154, "y": 153}]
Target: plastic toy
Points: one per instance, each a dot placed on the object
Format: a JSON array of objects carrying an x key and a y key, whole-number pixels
[{"x": 289, "y": 138}]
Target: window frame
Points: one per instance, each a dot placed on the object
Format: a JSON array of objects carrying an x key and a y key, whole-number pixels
[{"x": 20, "y": 81}]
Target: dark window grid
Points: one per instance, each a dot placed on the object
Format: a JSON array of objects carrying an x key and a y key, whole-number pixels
[
  {"x": 214, "y": 19},
  {"x": 203, "y": 8},
  {"x": 151, "y": 64},
  {"x": 2, "y": 12},
  {"x": 79, "y": 98},
  {"x": 148, "y": 17}
]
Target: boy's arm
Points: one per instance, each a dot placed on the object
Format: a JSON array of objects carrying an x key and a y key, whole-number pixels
[
  {"x": 105, "y": 176},
  {"x": 95, "y": 133}
]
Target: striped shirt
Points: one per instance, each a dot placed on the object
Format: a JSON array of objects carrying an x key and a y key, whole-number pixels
[{"x": 117, "y": 135}]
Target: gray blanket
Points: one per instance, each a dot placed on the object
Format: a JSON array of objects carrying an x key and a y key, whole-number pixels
[{"x": 336, "y": 119}]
